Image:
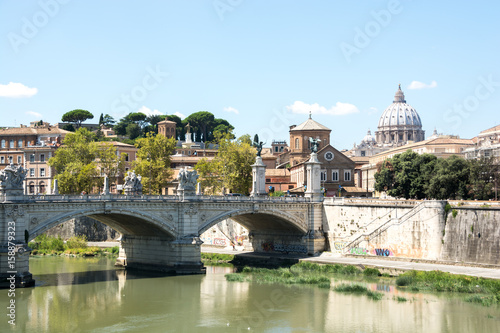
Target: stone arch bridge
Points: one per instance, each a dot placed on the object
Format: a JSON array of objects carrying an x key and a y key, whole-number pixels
[{"x": 159, "y": 232}]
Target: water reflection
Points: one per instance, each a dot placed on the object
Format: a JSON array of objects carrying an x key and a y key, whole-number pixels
[{"x": 74, "y": 294}]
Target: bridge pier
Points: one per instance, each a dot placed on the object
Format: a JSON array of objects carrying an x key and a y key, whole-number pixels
[
  {"x": 14, "y": 252},
  {"x": 161, "y": 254}
]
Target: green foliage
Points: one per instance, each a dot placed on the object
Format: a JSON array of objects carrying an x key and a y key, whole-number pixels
[
  {"x": 371, "y": 272},
  {"x": 207, "y": 127},
  {"x": 47, "y": 243},
  {"x": 358, "y": 289},
  {"x": 454, "y": 213},
  {"x": 114, "y": 249},
  {"x": 77, "y": 242},
  {"x": 401, "y": 299},
  {"x": 216, "y": 258},
  {"x": 235, "y": 277},
  {"x": 484, "y": 300},
  {"x": 410, "y": 175},
  {"x": 447, "y": 208},
  {"x": 153, "y": 161},
  {"x": 77, "y": 116},
  {"x": 80, "y": 161},
  {"x": 277, "y": 194},
  {"x": 404, "y": 280},
  {"x": 231, "y": 168}
]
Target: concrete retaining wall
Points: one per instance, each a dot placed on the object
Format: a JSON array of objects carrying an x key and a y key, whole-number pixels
[{"x": 472, "y": 236}]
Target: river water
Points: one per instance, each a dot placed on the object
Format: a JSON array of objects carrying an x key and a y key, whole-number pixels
[{"x": 91, "y": 295}]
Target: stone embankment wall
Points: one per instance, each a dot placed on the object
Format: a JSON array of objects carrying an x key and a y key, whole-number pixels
[
  {"x": 95, "y": 231},
  {"x": 414, "y": 229},
  {"x": 397, "y": 228},
  {"x": 472, "y": 235}
]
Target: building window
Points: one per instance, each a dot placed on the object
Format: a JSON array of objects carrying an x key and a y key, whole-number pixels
[
  {"x": 11, "y": 143},
  {"x": 347, "y": 175},
  {"x": 32, "y": 158},
  {"x": 126, "y": 157},
  {"x": 297, "y": 143},
  {"x": 32, "y": 172},
  {"x": 2, "y": 159},
  {"x": 323, "y": 175},
  {"x": 32, "y": 188},
  {"x": 335, "y": 175},
  {"x": 20, "y": 144},
  {"x": 3, "y": 143},
  {"x": 363, "y": 153},
  {"x": 41, "y": 188},
  {"x": 11, "y": 160},
  {"x": 42, "y": 157},
  {"x": 19, "y": 160},
  {"x": 42, "y": 172}
]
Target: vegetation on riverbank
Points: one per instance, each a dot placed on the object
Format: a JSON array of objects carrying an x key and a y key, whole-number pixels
[
  {"x": 486, "y": 291},
  {"x": 359, "y": 289},
  {"x": 216, "y": 259},
  {"x": 302, "y": 273},
  {"x": 76, "y": 245}
]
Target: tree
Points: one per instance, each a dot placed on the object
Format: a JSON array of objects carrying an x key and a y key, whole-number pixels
[
  {"x": 205, "y": 126},
  {"x": 106, "y": 120},
  {"x": 136, "y": 118},
  {"x": 153, "y": 161},
  {"x": 80, "y": 162},
  {"x": 405, "y": 175},
  {"x": 450, "y": 179},
  {"x": 77, "y": 116},
  {"x": 482, "y": 175},
  {"x": 231, "y": 168}
]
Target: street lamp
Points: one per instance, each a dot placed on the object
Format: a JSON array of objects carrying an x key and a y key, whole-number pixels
[{"x": 149, "y": 164}]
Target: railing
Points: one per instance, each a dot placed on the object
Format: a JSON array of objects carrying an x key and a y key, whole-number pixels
[
  {"x": 385, "y": 225},
  {"x": 147, "y": 198},
  {"x": 370, "y": 201}
]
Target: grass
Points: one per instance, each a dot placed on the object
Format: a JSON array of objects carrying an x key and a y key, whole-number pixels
[
  {"x": 76, "y": 245},
  {"x": 486, "y": 291},
  {"x": 217, "y": 259},
  {"x": 358, "y": 289}
]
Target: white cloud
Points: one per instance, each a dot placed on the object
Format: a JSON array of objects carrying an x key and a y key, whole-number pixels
[
  {"x": 34, "y": 114},
  {"x": 336, "y": 110},
  {"x": 16, "y": 90},
  {"x": 414, "y": 85},
  {"x": 372, "y": 110},
  {"x": 231, "y": 109},
  {"x": 148, "y": 112},
  {"x": 180, "y": 115}
]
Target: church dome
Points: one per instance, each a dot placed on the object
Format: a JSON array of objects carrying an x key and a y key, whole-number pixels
[
  {"x": 369, "y": 138},
  {"x": 399, "y": 114}
]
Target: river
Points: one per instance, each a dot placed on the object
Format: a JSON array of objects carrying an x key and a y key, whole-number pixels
[{"x": 91, "y": 295}]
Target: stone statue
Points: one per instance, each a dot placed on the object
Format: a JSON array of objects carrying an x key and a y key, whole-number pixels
[
  {"x": 11, "y": 180},
  {"x": 187, "y": 179},
  {"x": 314, "y": 144},
  {"x": 133, "y": 185}
]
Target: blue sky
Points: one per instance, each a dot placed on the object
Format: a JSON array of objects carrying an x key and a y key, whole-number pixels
[{"x": 262, "y": 65}]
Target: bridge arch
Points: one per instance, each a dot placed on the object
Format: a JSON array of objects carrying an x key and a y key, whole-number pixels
[
  {"x": 261, "y": 220},
  {"x": 125, "y": 221}
]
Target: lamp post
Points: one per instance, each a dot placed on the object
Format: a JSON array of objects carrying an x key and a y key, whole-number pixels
[
  {"x": 149, "y": 165},
  {"x": 495, "y": 182}
]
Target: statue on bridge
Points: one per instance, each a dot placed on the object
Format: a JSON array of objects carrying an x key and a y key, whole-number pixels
[
  {"x": 11, "y": 180},
  {"x": 187, "y": 180},
  {"x": 133, "y": 185},
  {"x": 314, "y": 144}
]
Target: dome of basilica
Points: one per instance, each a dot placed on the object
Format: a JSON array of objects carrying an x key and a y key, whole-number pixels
[
  {"x": 399, "y": 114},
  {"x": 399, "y": 123}
]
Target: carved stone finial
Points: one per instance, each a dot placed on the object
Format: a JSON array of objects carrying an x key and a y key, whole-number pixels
[
  {"x": 187, "y": 180},
  {"x": 11, "y": 180},
  {"x": 133, "y": 185}
]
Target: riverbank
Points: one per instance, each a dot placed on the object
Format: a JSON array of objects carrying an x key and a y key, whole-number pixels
[{"x": 390, "y": 267}]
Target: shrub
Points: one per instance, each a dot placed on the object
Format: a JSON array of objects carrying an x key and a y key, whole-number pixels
[
  {"x": 404, "y": 280},
  {"x": 235, "y": 277},
  {"x": 454, "y": 213},
  {"x": 371, "y": 272},
  {"x": 77, "y": 242}
]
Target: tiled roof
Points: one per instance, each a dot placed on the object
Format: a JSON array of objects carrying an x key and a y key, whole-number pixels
[
  {"x": 493, "y": 129},
  {"x": 32, "y": 131},
  {"x": 310, "y": 125}
]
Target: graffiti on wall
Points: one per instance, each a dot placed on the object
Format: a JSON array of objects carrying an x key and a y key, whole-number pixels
[
  {"x": 359, "y": 251},
  {"x": 338, "y": 246},
  {"x": 382, "y": 252},
  {"x": 214, "y": 241},
  {"x": 397, "y": 250},
  {"x": 284, "y": 248}
]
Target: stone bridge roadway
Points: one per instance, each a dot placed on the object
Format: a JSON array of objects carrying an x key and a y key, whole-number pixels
[{"x": 159, "y": 232}]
